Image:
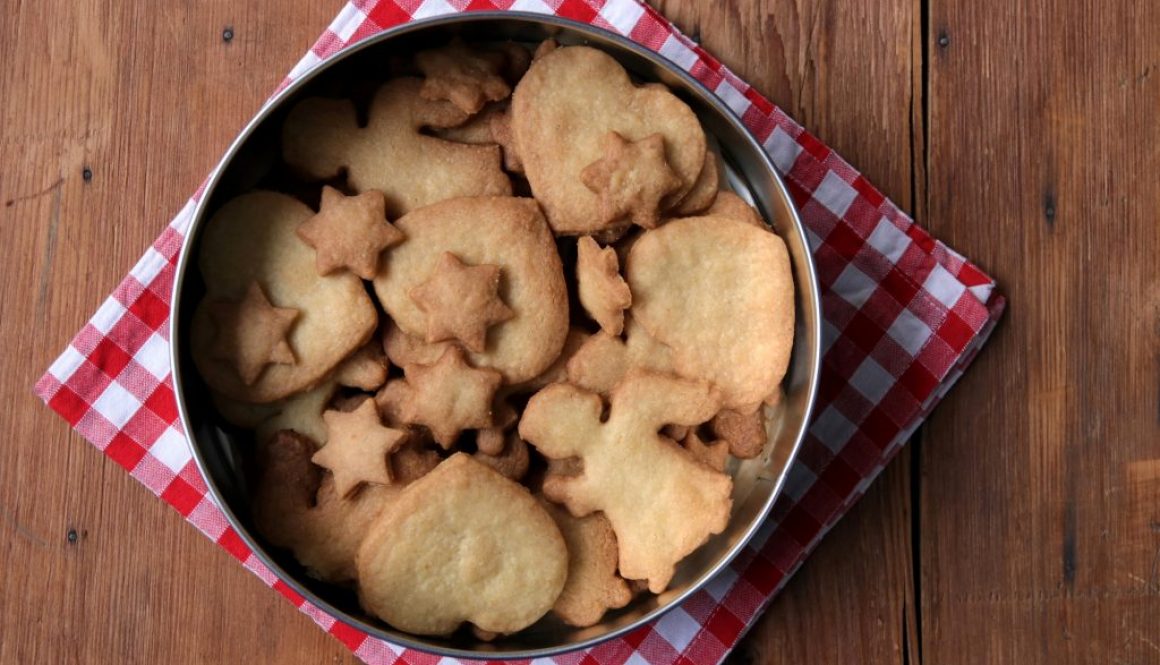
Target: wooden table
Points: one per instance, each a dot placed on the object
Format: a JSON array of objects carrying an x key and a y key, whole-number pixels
[{"x": 1023, "y": 528}]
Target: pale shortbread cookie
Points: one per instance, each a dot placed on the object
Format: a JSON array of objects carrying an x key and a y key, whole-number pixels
[
  {"x": 603, "y": 292},
  {"x": 704, "y": 190},
  {"x": 593, "y": 587},
  {"x": 391, "y": 154},
  {"x": 661, "y": 502},
  {"x": 719, "y": 293},
  {"x": 509, "y": 233},
  {"x": 297, "y": 506},
  {"x": 252, "y": 239},
  {"x": 728, "y": 204},
  {"x": 463, "y": 543},
  {"x": 302, "y": 412},
  {"x": 563, "y": 109},
  {"x": 357, "y": 447},
  {"x": 602, "y": 360}
]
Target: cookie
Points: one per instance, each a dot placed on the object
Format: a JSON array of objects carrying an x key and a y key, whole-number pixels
[
  {"x": 704, "y": 190},
  {"x": 603, "y": 360},
  {"x": 719, "y": 293},
  {"x": 349, "y": 232},
  {"x": 659, "y": 516},
  {"x": 365, "y": 369},
  {"x": 509, "y": 233},
  {"x": 356, "y": 448},
  {"x": 565, "y": 107},
  {"x": 251, "y": 333},
  {"x": 465, "y": 76},
  {"x": 632, "y": 178},
  {"x": 713, "y": 454},
  {"x": 603, "y": 292},
  {"x": 477, "y": 130},
  {"x": 252, "y": 239},
  {"x": 297, "y": 507},
  {"x": 511, "y": 461},
  {"x": 463, "y": 543},
  {"x": 460, "y": 301},
  {"x": 593, "y": 587},
  {"x": 321, "y": 137},
  {"x": 728, "y": 204},
  {"x": 449, "y": 396},
  {"x": 744, "y": 432},
  {"x": 558, "y": 370},
  {"x": 491, "y": 440}
]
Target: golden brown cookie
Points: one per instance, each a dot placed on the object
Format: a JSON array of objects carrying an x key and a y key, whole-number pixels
[
  {"x": 558, "y": 370},
  {"x": 603, "y": 360},
  {"x": 713, "y": 454},
  {"x": 321, "y": 137},
  {"x": 728, "y": 204},
  {"x": 463, "y": 543},
  {"x": 365, "y": 369},
  {"x": 252, "y": 239},
  {"x": 704, "y": 190},
  {"x": 511, "y": 461},
  {"x": 593, "y": 587},
  {"x": 356, "y": 448},
  {"x": 603, "y": 292},
  {"x": 297, "y": 507},
  {"x": 349, "y": 232},
  {"x": 251, "y": 333},
  {"x": 467, "y": 77},
  {"x": 460, "y": 301},
  {"x": 631, "y": 178},
  {"x": 562, "y": 110},
  {"x": 660, "y": 516},
  {"x": 449, "y": 396},
  {"x": 719, "y": 293},
  {"x": 745, "y": 433},
  {"x": 509, "y": 233}
]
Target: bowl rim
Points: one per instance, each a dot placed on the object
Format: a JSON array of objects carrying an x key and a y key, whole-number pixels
[{"x": 809, "y": 293}]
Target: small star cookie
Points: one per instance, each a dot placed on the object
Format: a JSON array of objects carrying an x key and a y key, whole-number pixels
[
  {"x": 631, "y": 179},
  {"x": 450, "y": 396},
  {"x": 349, "y": 232},
  {"x": 466, "y": 77},
  {"x": 603, "y": 292},
  {"x": 357, "y": 447},
  {"x": 461, "y": 302},
  {"x": 252, "y": 333}
]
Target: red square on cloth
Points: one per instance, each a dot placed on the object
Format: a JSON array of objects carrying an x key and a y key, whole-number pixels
[{"x": 903, "y": 316}]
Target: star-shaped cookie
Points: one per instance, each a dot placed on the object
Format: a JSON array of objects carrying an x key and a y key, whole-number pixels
[
  {"x": 252, "y": 333},
  {"x": 603, "y": 292},
  {"x": 357, "y": 445},
  {"x": 349, "y": 232},
  {"x": 450, "y": 396},
  {"x": 467, "y": 77},
  {"x": 631, "y": 179},
  {"x": 461, "y": 302}
]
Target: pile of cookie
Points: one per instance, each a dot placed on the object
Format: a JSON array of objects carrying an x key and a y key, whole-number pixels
[{"x": 498, "y": 343}]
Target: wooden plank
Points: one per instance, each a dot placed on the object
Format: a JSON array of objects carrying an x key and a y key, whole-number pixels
[
  {"x": 1039, "y": 505},
  {"x": 845, "y": 71},
  {"x": 147, "y": 96}
]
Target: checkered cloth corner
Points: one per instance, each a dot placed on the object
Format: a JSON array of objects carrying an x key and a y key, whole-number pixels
[{"x": 903, "y": 317}]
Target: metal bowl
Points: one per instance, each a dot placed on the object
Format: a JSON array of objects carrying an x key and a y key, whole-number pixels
[{"x": 220, "y": 449}]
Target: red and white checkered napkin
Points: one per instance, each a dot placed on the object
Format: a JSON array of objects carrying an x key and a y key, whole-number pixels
[{"x": 903, "y": 316}]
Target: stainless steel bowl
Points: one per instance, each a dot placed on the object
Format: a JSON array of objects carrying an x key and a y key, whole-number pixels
[{"x": 219, "y": 448}]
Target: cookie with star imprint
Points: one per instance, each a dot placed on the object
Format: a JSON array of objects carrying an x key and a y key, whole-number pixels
[
  {"x": 416, "y": 283},
  {"x": 269, "y": 325},
  {"x": 576, "y": 111}
]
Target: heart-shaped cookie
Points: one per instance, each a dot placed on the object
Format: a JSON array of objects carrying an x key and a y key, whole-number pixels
[{"x": 562, "y": 113}]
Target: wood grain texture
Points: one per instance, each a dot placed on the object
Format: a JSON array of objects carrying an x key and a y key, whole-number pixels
[
  {"x": 147, "y": 96},
  {"x": 1026, "y": 529},
  {"x": 1039, "y": 505}
]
